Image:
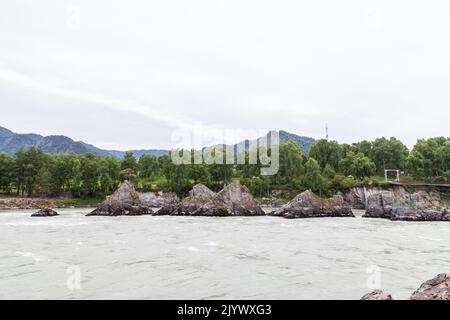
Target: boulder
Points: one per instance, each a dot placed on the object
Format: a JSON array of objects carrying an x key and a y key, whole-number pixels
[
  {"x": 127, "y": 194},
  {"x": 398, "y": 204},
  {"x": 309, "y": 205},
  {"x": 437, "y": 288},
  {"x": 169, "y": 210},
  {"x": 158, "y": 199},
  {"x": 357, "y": 197},
  {"x": 233, "y": 200},
  {"x": 377, "y": 295},
  {"x": 46, "y": 212},
  {"x": 198, "y": 196},
  {"x": 125, "y": 201}
]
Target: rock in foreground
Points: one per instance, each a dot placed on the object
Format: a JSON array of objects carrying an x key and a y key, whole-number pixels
[
  {"x": 198, "y": 196},
  {"x": 398, "y": 204},
  {"x": 308, "y": 205},
  {"x": 233, "y": 200},
  {"x": 46, "y": 212},
  {"x": 377, "y": 295},
  {"x": 437, "y": 288},
  {"x": 124, "y": 202}
]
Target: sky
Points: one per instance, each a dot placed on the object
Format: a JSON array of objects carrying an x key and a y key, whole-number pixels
[{"x": 144, "y": 74}]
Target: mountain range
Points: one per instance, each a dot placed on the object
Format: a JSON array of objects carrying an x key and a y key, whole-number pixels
[{"x": 11, "y": 142}]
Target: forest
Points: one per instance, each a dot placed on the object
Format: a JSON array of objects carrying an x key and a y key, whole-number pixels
[{"x": 329, "y": 167}]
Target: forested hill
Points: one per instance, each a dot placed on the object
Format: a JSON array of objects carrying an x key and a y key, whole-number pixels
[
  {"x": 11, "y": 142},
  {"x": 303, "y": 142}
]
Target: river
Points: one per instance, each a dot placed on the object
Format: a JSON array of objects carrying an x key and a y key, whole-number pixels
[{"x": 76, "y": 257}]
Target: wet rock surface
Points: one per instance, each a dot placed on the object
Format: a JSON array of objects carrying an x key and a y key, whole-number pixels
[
  {"x": 46, "y": 212},
  {"x": 377, "y": 295},
  {"x": 398, "y": 204},
  {"x": 158, "y": 199},
  {"x": 125, "y": 201},
  {"x": 437, "y": 288},
  {"x": 233, "y": 200},
  {"x": 198, "y": 196},
  {"x": 309, "y": 205},
  {"x": 357, "y": 197}
]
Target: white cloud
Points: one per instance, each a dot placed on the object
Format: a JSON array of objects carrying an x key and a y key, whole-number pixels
[{"x": 368, "y": 68}]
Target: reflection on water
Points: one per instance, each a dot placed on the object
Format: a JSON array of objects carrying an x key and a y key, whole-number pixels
[{"x": 214, "y": 258}]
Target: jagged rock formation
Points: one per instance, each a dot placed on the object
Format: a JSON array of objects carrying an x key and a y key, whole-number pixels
[
  {"x": 46, "y": 212},
  {"x": 198, "y": 196},
  {"x": 127, "y": 194},
  {"x": 357, "y": 197},
  {"x": 437, "y": 288},
  {"x": 377, "y": 295},
  {"x": 233, "y": 200},
  {"x": 398, "y": 204},
  {"x": 159, "y": 199},
  {"x": 125, "y": 201},
  {"x": 308, "y": 205}
]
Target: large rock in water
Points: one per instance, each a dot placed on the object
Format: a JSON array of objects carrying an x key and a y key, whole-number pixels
[
  {"x": 198, "y": 196},
  {"x": 46, "y": 212},
  {"x": 437, "y": 288},
  {"x": 357, "y": 197},
  {"x": 398, "y": 204},
  {"x": 124, "y": 202},
  {"x": 233, "y": 200},
  {"x": 377, "y": 295},
  {"x": 158, "y": 199},
  {"x": 308, "y": 205}
]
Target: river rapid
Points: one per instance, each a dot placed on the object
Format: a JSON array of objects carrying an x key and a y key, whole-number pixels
[{"x": 145, "y": 257}]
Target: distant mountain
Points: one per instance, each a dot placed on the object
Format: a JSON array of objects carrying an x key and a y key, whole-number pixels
[
  {"x": 11, "y": 142},
  {"x": 303, "y": 142}
]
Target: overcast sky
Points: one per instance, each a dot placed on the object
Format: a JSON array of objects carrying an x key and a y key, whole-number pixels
[{"x": 126, "y": 74}]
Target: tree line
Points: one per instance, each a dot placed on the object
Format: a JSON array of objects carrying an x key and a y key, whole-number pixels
[{"x": 329, "y": 167}]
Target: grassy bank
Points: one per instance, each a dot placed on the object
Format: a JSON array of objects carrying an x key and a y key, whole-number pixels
[{"x": 11, "y": 202}]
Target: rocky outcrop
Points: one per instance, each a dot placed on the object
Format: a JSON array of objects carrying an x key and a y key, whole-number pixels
[
  {"x": 377, "y": 295},
  {"x": 233, "y": 200},
  {"x": 46, "y": 212},
  {"x": 198, "y": 196},
  {"x": 357, "y": 197},
  {"x": 308, "y": 205},
  {"x": 158, "y": 199},
  {"x": 124, "y": 202},
  {"x": 398, "y": 204},
  {"x": 437, "y": 288},
  {"x": 127, "y": 194}
]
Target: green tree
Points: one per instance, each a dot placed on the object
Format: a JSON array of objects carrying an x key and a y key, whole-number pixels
[
  {"x": 364, "y": 147},
  {"x": 430, "y": 158},
  {"x": 329, "y": 172},
  {"x": 129, "y": 162},
  {"x": 89, "y": 175},
  {"x": 148, "y": 165},
  {"x": 109, "y": 174},
  {"x": 220, "y": 172},
  {"x": 388, "y": 154},
  {"x": 326, "y": 152},
  {"x": 313, "y": 178},
  {"x": 28, "y": 164},
  {"x": 346, "y": 163},
  {"x": 7, "y": 172},
  {"x": 362, "y": 166},
  {"x": 44, "y": 183},
  {"x": 291, "y": 163}
]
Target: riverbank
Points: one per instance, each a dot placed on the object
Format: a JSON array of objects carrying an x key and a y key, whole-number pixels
[{"x": 9, "y": 202}]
